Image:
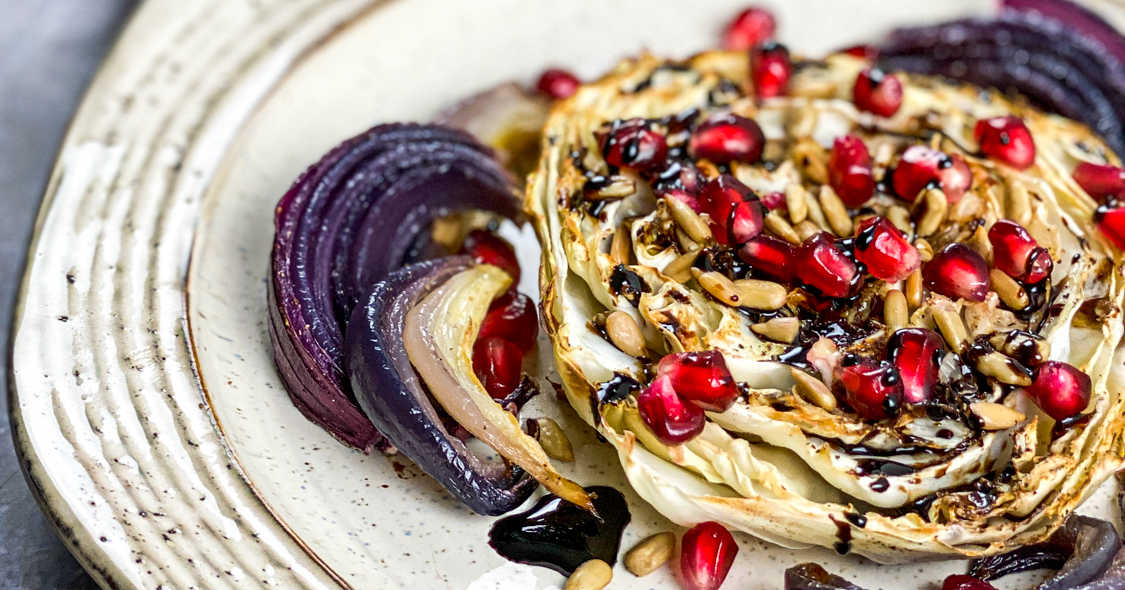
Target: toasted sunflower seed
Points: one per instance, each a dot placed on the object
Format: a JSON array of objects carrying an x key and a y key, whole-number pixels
[
  {"x": 835, "y": 211},
  {"x": 778, "y": 329},
  {"x": 718, "y": 285},
  {"x": 932, "y": 208},
  {"x": 796, "y": 202},
  {"x": 1019, "y": 202},
  {"x": 810, "y": 159},
  {"x": 757, "y": 294},
  {"x": 1003, "y": 369},
  {"x": 553, "y": 440},
  {"x": 648, "y": 555},
  {"x": 625, "y": 334},
  {"x": 978, "y": 241},
  {"x": 915, "y": 291},
  {"x": 807, "y": 229},
  {"x": 688, "y": 220},
  {"x": 618, "y": 187},
  {"x": 813, "y": 390},
  {"x": 680, "y": 269},
  {"x": 895, "y": 311},
  {"x": 591, "y": 575},
  {"x": 900, "y": 216},
  {"x": 801, "y": 122},
  {"x": 952, "y": 328},
  {"x": 996, "y": 416},
  {"x": 620, "y": 249},
  {"x": 1010, "y": 291},
  {"x": 1026, "y": 346},
  {"x": 778, "y": 226}
]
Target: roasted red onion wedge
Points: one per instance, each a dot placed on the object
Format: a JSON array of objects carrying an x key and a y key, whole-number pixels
[
  {"x": 390, "y": 392},
  {"x": 810, "y": 576},
  {"x": 1083, "y": 550},
  {"x": 350, "y": 219}
]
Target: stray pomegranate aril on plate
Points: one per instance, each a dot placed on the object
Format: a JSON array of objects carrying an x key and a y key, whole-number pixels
[
  {"x": 631, "y": 144},
  {"x": 671, "y": 418},
  {"x": 1016, "y": 253},
  {"x": 872, "y": 389},
  {"x": 707, "y": 551},
  {"x": 916, "y": 353},
  {"x": 728, "y": 138},
  {"x": 751, "y": 27},
  {"x": 496, "y": 362},
  {"x": 488, "y": 248},
  {"x": 823, "y": 265},
  {"x": 957, "y": 272},
  {"x": 1110, "y": 219},
  {"x": 511, "y": 317},
  {"x": 557, "y": 83},
  {"x": 964, "y": 582},
  {"x": 877, "y": 92},
  {"x": 1060, "y": 389},
  {"x": 736, "y": 213},
  {"x": 770, "y": 256},
  {"x": 883, "y": 248},
  {"x": 1100, "y": 180},
  {"x": 1006, "y": 139},
  {"x": 849, "y": 171},
  {"x": 701, "y": 378},
  {"x": 770, "y": 69}
]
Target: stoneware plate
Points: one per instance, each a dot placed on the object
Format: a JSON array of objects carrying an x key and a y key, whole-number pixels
[{"x": 151, "y": 422}]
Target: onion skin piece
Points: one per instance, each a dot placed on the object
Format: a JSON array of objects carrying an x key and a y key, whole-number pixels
[
  {"x": 391, "y": 393},
  {"x": 438, "y": 335},
  {"x": 1082, "y": 549},
  {"x": 346, "y": 222},
  {"x": 811, "y": 576}
]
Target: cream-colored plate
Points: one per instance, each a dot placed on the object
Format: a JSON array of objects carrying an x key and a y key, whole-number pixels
[{"x": 146, "y": 407}]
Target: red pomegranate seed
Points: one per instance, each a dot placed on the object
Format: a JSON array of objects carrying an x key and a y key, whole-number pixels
[
  {"x": 916, "y": 353},
  {"x": 1110, "y": 219},
  {"x": 557, "y": 83},
  {"x": 862, "y": 51},
  {"x": 496, "y": 362},
  {"x": 774, "y": 200},
  {"x": 1006, "y": 139},
  {"x": 957, "y": 271},
  {"x": 872, "y": 389},
  {"x": 1016, "y": 253},
  {"x": 511, "y": 317},
  {"x": 884, "y": 249},
  {"x": 921, "y": 166},
  {"x": 701, "y": 378},
  {"x": 683, "y": 196},
  {"x": 749, "y": 28},
  {"x": 849, "y": 171},
  {"x": 736, "y": 213},
  {"x": 631, "y": 144},
  {"x": 963, "y": 582},
  {"x": 488, "y": 248},
  {"x": 955, "y": 177},
  {"x": 1060, "y": 389},
  {"x": 706, "y": 554},
  {"x": 1099, "y": 180},
  {"x": 825, "y": 266},
  {"x": 877, "y": 92},
  {"x": 672, "y": 419},
  {"x": 770, "y": 256},
  {"x": 770, "y": 69},
  {"x": 728, "y": 138}
]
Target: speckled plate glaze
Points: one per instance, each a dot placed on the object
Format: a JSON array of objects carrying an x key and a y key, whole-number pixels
[{"x": 150, "y": 419}]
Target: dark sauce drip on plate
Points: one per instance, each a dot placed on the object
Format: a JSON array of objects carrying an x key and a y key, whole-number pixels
[{"x": 561, "y": 536}]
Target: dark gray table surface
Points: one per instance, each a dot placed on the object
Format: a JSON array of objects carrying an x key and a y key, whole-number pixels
[{"x": 49, "y": 49}]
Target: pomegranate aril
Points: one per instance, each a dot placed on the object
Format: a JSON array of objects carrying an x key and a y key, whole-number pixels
[
  {"x": 496, "y": 362},
  {"x": 872, "y": 389},
  {"x": 877, "y": 92},
  {"x": 849, "y": 171},
  {"x": 1016, "y": 253},
  {"x": 671, "y": 418},
  {"x": 1006, "y": 139},
  {"x": 1110, "y": 219},
  {"x": 707, "y": 551},
  {"x": 770, "y": 256},
  {"x": 825, "y": 266},
  {"x": 774, "y": 200},
  {"x": 957, "y": 271},
  {"x": 1060, "y": 389},
  {"x": 883, "y": 248},
  {"x": 736, "y": 213},
  {"x": 964, "y": 582},
  {"x": 770, "y": 69},
  {"x": 511, "y": 317},
  {"x": 632, "y": 144},
  {"x": 862, "y": 51},
  {"x": 701, "y": 378},
  {"x": 916, "y": 169},
  {"x": 1100, "y": 180},
  {"x": 955, "y": 178},
  {"x": 488, "y": 248},
  {"x": 727, "y": 138},
  {"x": 557, "y": 83},
  {"x": 749, "y": 28},
  {"x": 916, "y": 353}
]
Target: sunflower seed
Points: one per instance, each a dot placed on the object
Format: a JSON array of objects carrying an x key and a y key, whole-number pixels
[
  {"x": 801, "y": 122},
  {"x": 1028, "y": 347},
  {"x": 618, "y": 187},
  {"x": 968, "y": 208},
  {"x": 718, "y": 285},
  {"x": 648, "y": 555},
  {"x": 679, "y": 270},
  {"x": 952, "y": 328},
  {"x": 1019, "y": 202},
  {"x": 835, "y": 211},
  {"x": 807, "y": 229},
  {"x": 895, "y": 313},
  {"x": 925, "y": 250},
  {"x": 813, "y": 390},
  {"x": 591, "y": 575},
  {"x": 620, "y": 249},
  {"x": 625, "y": 334},
  {"x": 778, "y": 329},
  {"x": 914, "y": 290},
  {"x": 553, "y": 440},
  {"x": 810, "y": 159},
  {"x": 796, "y": 201},
  {"x": 757, "y": 294},
  {"x": 778, "y": 226},
  {"x": 932, "y": 208},
  {"x": 996, "y": 416},
  {"x": 1003, "y": 369},
  {"x": 978, "y": 241},
  {"x": 900, "y": 216},
  {"x": 688, "y": 220},
  {"x": 1011, "y": 292}
]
